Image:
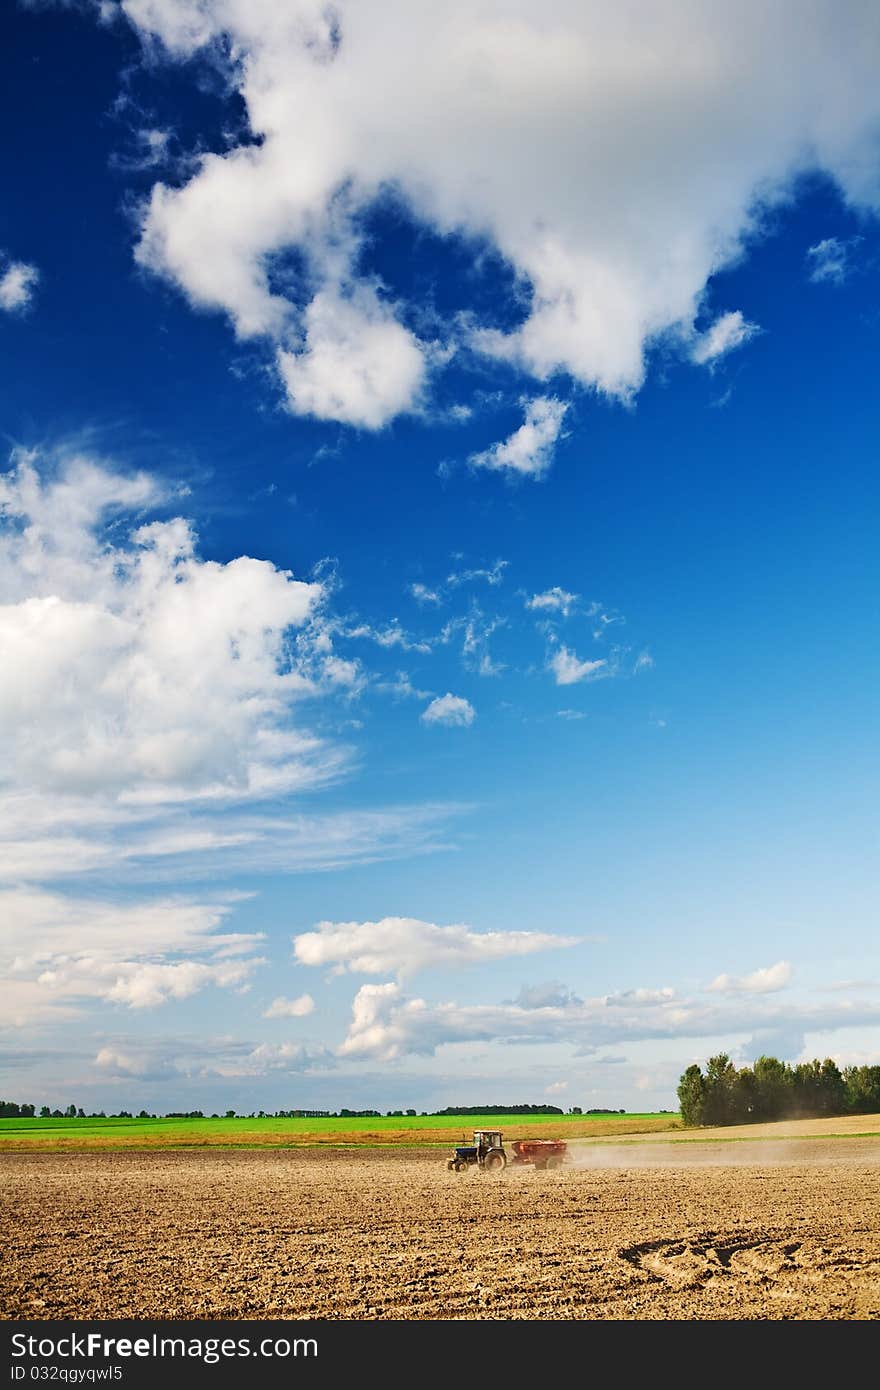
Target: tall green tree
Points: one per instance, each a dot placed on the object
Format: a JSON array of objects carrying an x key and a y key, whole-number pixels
[{"x": 692, "y": 1095}]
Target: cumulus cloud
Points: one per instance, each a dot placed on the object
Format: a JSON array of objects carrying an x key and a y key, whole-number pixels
[
  {"x": 59, "y": 951},
  {"x": 449, "y": 710},
  {"x": 358, "y": 364},
  {"x": 555, "y": 600},
  {"x": 829, "y": 261},
  {"x": 403, "y": 945},
  {"x": 764, "y": 981},
  {"x": 18, "y": 282},
  {"x": 529, "y": 450},
  {"x": 569, "y": 670},
  {"x": 617, "y": 157},
  {"x": 728, "y": 332},
  {"x": 132, "y": 665},
  {"x": 300, "y": 1007},
  {"x": 386, "y": 1024}
]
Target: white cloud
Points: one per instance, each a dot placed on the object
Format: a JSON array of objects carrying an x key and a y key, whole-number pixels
[
  {"x": 616, "y": 156},
  {"x": 556, "y": 1088},
  {"x": 529, "y": 450},
  {"x": 292, "y": 1057},
  {"x": 300, "y": 1007},
  {"x": 569, "y": 670},
  {"x": 59, "y": 951},
  {"x": 449, "y": 710},
  {"x": 555, "y": 600},
  {"x": 729, "y": 331},
  {"x": 173, "y": 1059},
  {"x": 422, "y": 594},
  {"x": 150, "y": 719},
  {"x": 829, "y": 260},
  {"x": 476, "y": 630},
  {"x": 386, "y": 1025},
  {"x": 18, "y": 282},
  {"x": 402, "y": 688},
  {"x": 552, "y": 995},
  {"x": 391, "y": 635},
  {"x": 357, "y": 364},
  {"x": 132, "y": 665},
  {"x": 404, "y": 945},
  {"x": 51, "y": 836},
  {"x": 764, "y": 981},
  {"x": 493, "y": 575}
]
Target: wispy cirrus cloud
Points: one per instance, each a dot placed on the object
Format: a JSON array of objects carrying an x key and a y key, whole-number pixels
[
  {"x": 729, "y": 332},
  {"x": 829, "y": 261}
]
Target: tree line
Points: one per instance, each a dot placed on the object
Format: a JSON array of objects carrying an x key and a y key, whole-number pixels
[
  {"x": 13, "y": 1110},
  {"x": 772, "y": 1090}
]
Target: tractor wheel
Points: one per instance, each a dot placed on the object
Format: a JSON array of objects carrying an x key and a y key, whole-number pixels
[
  {"x": 555, "y": 1162},
  {"x": 461, "y": 1166},
  {"x": 494, "y": 1160},
  {"x": 540, "y": 1164}
]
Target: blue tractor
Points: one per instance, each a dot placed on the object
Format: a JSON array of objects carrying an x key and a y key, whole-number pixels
[{"x": 487, "y": 1151}]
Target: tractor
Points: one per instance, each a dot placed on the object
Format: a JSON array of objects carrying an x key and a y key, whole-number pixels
[{"x": 487, "y": 1151}]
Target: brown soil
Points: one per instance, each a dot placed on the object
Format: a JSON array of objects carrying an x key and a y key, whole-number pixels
[{"x": 679, "y": 1232}]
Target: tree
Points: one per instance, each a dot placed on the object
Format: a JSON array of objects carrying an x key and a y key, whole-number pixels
[
  {"x": 833, "y": 1088},
  {"x": 45, "y": 1112},
  {"x": 720, "y": 1107},
  {"x": 692, "y": 1096},
  {"x": 862, "y": 1089},
  {"x": 773, "y": 1088}
]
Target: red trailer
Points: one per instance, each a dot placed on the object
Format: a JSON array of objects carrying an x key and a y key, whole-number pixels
[{"x": 543, "y": 1153}]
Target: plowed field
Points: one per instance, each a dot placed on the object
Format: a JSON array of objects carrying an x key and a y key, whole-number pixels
[{"x": 742, "y": 1230}]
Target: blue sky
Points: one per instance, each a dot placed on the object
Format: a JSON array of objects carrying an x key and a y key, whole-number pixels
[{"x": 439, "y": 504}]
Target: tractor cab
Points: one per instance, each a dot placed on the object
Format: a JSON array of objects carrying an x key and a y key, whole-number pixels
[{"x": 487, "y": 1139}]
